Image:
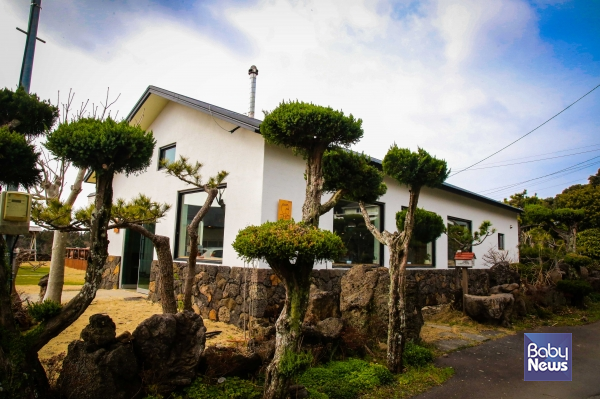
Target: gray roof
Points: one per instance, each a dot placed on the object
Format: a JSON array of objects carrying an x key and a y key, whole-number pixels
[{"x": 253, "y": 124}]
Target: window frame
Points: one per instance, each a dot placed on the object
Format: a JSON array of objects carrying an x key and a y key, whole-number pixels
[
  {"x": 381, "y": 229},
  {"x": 469, "y": 222},
  {"x": 160, "y": 152},
  {"x": 501, "y": 241},
  {"x": 180, "y": 195}
]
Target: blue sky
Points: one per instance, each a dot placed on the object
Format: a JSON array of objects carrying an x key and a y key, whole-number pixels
[{"x": 459, "y": 78}]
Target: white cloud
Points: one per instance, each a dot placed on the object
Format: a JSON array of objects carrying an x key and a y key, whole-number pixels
[{"x": 460, "y": 79}]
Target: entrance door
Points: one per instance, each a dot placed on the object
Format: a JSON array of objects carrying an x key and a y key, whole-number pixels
[{"x": 145, "y": 263}]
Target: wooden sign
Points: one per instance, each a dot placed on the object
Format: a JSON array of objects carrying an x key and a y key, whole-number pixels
[{"x": 284, "y": 210}]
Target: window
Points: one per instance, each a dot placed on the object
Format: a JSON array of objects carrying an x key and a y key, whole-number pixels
[
  {"x": 166, "y": 153},
  {"x": 501, "y": 241},
  {"x": 419, "y": 253},
  {"x": 210, "y": 230},
  {"x": 453, "y": 246},
  {"x": 361, "y": 246}
]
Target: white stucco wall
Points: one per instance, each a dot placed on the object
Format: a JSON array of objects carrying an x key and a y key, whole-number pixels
[
  {"x": 199, "y": 138},
  {"x": 261, "y": 174},
  {"x": 446, "y": 205}
]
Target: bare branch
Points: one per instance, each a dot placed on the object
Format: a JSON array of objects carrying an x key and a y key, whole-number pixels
[{"x": 374, "y": 230}]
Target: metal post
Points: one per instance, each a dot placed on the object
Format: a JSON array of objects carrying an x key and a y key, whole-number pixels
[
  {"x": 27, "y": 66},
  {"x": 253, "y": 72}
]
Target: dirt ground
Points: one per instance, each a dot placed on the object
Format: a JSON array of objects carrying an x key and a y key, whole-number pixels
[{"x": 127, "y": 308}]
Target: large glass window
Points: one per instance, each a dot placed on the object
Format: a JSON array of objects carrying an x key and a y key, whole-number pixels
[
  {"x": 453, "y": 246},
  {"x": 210, "y": 230},
  {"x": 348, "y": 223}
]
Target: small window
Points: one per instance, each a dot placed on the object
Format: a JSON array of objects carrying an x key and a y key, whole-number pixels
[
  {"x": 453, "y": 246},
  {"x": 167, "y": 153},
  {"x": 500, "y": 241}
]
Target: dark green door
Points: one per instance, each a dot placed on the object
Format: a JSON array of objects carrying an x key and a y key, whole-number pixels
[
  {"x": 131, "y": 259},
  {"x": 146, "y": 257}
]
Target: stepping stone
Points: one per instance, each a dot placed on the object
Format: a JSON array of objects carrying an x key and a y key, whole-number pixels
[
  {"x": 491, "y": 333},
  {"x": 445, "y": 328},
  {"x": 447, "y": 334},
  {"x": 475, "y": 337},
  {"x": 451, "y": 344}
]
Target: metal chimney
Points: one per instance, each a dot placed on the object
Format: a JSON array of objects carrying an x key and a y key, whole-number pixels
[{"x": 253, "y": 72}]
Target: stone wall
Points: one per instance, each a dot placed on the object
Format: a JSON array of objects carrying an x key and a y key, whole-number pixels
[{"x": 240, "y": 296}]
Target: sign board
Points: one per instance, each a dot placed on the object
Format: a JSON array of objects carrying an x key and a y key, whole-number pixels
[
  {"x": 284, "y": 210},
  {"x": 15, "y": 210},
  {"x": 465, "y": 263}
]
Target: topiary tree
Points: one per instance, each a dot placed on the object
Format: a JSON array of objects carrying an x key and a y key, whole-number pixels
[
  {"x": 563, "y": 221},
  {"x": 291, "y": 249},
  {"x": 415, "y": 170},
  {"x": 463, "y": 239},
  {"x": 311, "y": 130},
  {"x": 190, "y": 174},
  {"x": 589, "y": 243}
]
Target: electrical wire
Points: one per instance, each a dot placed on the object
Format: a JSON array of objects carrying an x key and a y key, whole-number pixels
[
  {"x": 571, "y": 169},
  {"x": 528, "y": 133},
  {"x": 535, "y": 160}
]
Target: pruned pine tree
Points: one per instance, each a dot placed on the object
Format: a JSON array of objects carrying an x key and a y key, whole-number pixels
[
  {"x": 311, "y": 130},
  {"x": 291, "y": 249},
  {"x": 463, "y": 239},
  {"x": 23, "y": 117},
  {"x": 415, "y": 170},
  {"x": 564, "y": 222},
  {"x": 190, "y": 174}
]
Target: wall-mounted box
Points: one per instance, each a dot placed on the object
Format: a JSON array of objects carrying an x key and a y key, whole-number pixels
[{"x": 15, "y": 212}]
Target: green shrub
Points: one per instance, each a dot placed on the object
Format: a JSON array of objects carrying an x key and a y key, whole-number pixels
[
  {"x": 577, "y": 289},
  {"x": 344, "y": 379},
  {"x": 44, "y": 311},
  {"x": 588, "y": 243},
  {"x": 231, "y": 388},
  {"x": 577, "y": 261},
  {"x": 417, "y": 356}
]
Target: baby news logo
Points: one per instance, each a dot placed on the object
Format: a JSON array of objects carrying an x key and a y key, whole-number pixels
[{"x": 548, "y": 357}]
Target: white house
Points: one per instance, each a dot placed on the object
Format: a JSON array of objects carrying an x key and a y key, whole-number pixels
[{"x": 260, "y": 175}]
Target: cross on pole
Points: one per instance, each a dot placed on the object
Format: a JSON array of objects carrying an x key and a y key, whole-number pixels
[{"x": 27, "y": 66}]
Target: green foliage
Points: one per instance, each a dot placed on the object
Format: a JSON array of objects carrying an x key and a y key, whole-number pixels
[
  {"x": 520, "y": 200},
  {"x": 44, "y": 311},
  {"x": 345, "y": 379},
  {"x": 139, "y": 210},
  {"x": 25, "y": 113},
  {"x": 185, "y": 171},
  {"x": 231, "y": 388},
  {"x": 577, "y": 261},
  {"x": 588, "y": 243},
  {"x": 428, "y": 225},
  {"x": 417, "y": 356},
  {"x": 307, "y": 127},
  {"x": 103, "y": 145},
  {"x": 287, "y": 240},
  {"x": 463, "y": 238},
  {"x": 54, "y": 213},
  {"x": 595, "y": 179},
  {"x": 414, "y": 169},
  {"x": 18, "y": 160},
  {"x": 353, "y": 173},
  {"x": 293, "y": 363},
  {"x": 585, "y": 198},
  {"x": 577, "y": 289}
]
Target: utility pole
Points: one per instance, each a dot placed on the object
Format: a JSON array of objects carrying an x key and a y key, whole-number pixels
[{"x": 27, "y": 66}]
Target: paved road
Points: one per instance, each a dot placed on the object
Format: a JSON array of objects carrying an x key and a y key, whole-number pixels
[{"x": 495, "y": 370}]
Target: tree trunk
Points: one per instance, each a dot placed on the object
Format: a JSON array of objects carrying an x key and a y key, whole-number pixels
[
  {"x": 165, "y": 285},
  {"x": 56, "y": 278},
  {"x": 397, "y": 299},
  {"x": 192, "y": 231},
  {"x": 314, "y": 187},
  {"x": 288, "y": 327}
]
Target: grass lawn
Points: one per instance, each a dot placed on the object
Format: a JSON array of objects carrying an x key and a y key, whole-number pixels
[
  {"x": 568, "y": 316},
  {"x": 28, "y": 276},
  {"x": 412, "y": 382}
]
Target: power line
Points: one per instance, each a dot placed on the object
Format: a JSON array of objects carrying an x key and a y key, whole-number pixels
[
  {"x": 535, "y": 160},
  {"x": 537, "y": 155},
  {"x": 577, "y": 166},
  {"x": 527, "y": 134}
]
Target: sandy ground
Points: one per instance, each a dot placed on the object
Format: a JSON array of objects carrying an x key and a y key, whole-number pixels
[{"x": 127, "y": 308}]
